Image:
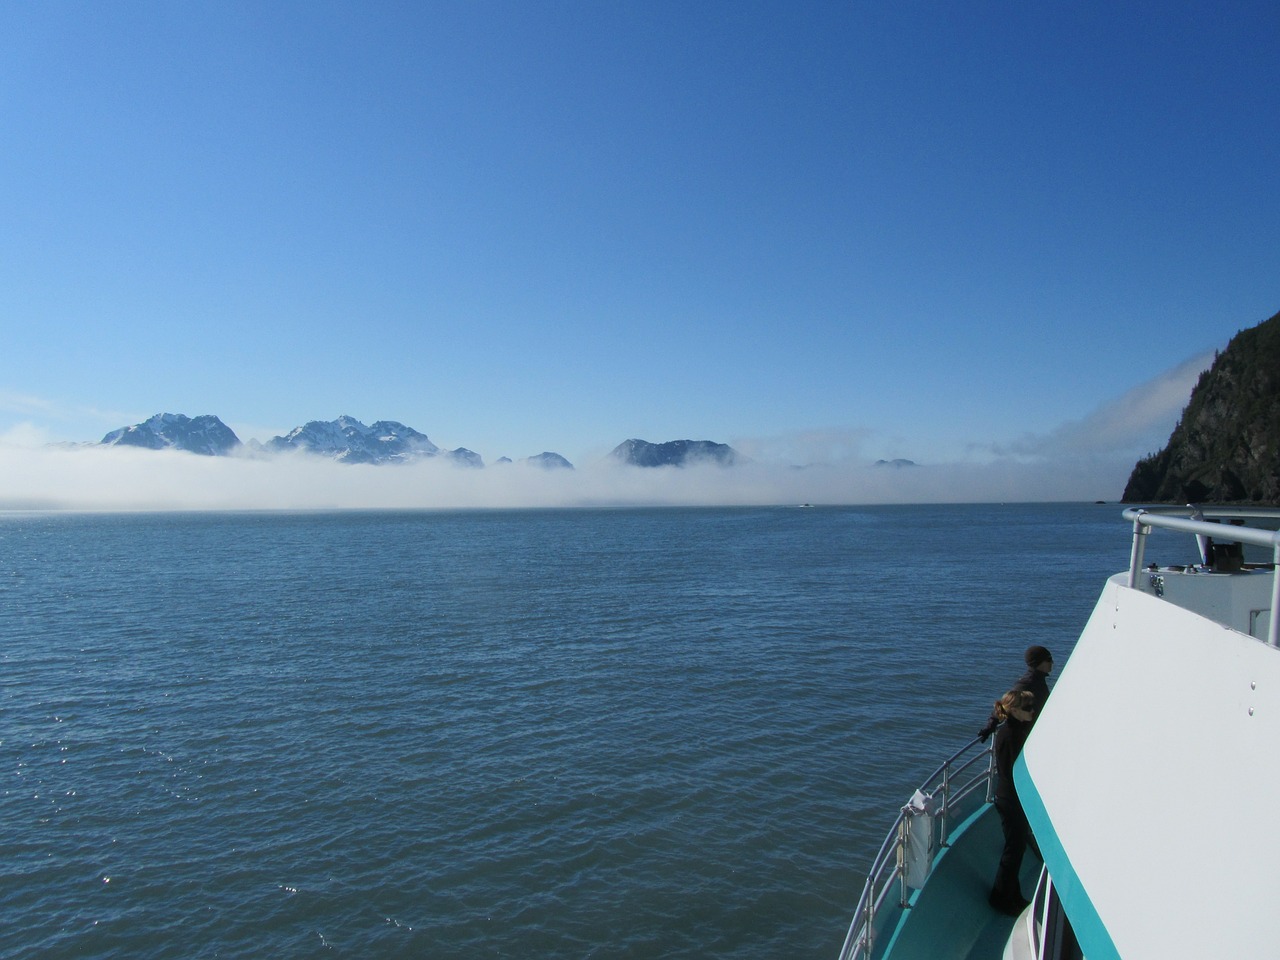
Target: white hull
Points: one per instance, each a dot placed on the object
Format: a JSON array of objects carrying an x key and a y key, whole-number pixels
[{"x": 1146, "y": 781}]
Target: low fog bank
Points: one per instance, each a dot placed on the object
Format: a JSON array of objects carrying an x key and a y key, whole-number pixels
[
  {"x": 129, "y": 479},
  {"x": 1079, "y": 460}
]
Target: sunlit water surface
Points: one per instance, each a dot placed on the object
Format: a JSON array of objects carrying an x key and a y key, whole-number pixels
[{"x": 613, "y": 733}]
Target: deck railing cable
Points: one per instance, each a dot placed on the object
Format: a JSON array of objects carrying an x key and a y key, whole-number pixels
[{"x": 950, "y": 791}]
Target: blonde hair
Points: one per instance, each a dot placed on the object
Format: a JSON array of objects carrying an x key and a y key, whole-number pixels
[{"x": 1015, "y": 700}]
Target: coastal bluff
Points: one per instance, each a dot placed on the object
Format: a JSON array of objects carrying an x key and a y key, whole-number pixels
[{"x": 1226, "y": 447}]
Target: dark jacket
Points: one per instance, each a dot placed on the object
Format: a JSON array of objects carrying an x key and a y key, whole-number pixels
[
  {"x": 1009, "y": 740},
  {"x": 1034, "y": 680}
]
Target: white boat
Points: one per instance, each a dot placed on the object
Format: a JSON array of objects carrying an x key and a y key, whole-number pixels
[{"x": 1147, "y": 779}]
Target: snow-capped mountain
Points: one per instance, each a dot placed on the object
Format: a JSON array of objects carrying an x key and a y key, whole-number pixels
[
  {"x": 350, "y": 441},
  {"x": 347, "y": 440},
  {"x": 206, "y": 435}
]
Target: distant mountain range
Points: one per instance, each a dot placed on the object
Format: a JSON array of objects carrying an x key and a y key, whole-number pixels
[{"x": 347, "y": 440}]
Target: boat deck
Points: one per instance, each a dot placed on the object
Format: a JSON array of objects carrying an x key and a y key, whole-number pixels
[{"x": 950, "y": 918}]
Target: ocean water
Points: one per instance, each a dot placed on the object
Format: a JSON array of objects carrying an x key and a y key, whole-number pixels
[{"x": 581, "y": 733}]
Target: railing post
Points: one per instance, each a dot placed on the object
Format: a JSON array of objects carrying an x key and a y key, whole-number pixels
[
  {"x": 991, "y": 774},
  {"x": 869, "y": 924},
  {"x": 944, "y": 838},
  {"x": 904, "y": 828},
  {"x": 1140, "y": 531}
]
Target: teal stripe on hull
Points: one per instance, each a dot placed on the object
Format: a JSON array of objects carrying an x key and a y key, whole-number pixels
[{"x": 1088, "y": 926}]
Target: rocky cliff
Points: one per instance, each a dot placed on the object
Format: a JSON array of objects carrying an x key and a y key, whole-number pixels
[{"x": 1226, "y": 447}]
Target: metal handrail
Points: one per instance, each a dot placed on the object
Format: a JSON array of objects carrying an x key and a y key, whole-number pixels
[
  {"x": 1197, "y": 521},
  {"x": 888, "y": 870}
]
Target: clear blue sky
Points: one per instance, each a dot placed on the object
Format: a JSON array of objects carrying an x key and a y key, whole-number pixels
[{"x": 930, "y": 230}]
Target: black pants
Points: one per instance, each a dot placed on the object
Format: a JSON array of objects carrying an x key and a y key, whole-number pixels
[{"x": 1007, "y": 891}]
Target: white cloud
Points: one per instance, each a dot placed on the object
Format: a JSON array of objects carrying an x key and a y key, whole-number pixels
[
  {"x": 832, "y": 445},
  {"x": 24, "y": 434},
  {"x": 1132, "y": 425},
  {"x": 29, "y": 407},
  {"x": 24, "y": 404}
]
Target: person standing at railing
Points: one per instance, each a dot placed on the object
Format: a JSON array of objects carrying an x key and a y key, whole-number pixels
[
  {"x": 1016, "y": 710},
  {"x": 1036, "y": 680}
]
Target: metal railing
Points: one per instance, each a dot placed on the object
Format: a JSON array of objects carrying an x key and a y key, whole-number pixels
[
  {"x": 1198, "y": 521},
  {"x": 954, "y": 791}
]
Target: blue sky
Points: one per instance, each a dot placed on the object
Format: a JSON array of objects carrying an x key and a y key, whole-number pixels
[{"x": 819, "y": 231}]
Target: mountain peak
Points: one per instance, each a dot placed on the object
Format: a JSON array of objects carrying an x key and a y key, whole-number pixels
[
  {"x": 205, "y": 435},
  {"x": 674, "y": 453},
  {"x": 350, "y": 441},
  {"x": 548, "y": 461}
]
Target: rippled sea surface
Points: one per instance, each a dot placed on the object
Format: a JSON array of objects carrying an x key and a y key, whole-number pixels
[{"x": 589, "y": 733}]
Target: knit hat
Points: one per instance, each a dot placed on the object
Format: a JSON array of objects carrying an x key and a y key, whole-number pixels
[{"x": 1037, "y": 654}]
